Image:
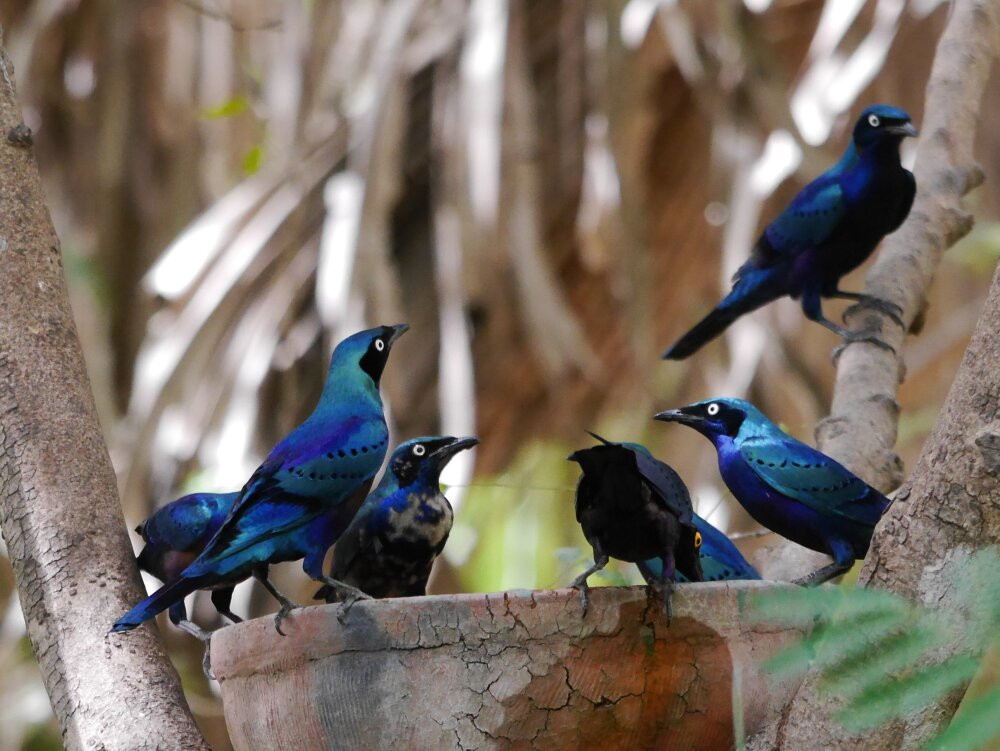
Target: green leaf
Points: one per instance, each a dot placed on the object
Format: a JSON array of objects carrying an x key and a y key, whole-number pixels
[
  {"x": 802, "y": 607},
  {"x": 906, "y": 695},
  {"x": 974, "y": 728},
  {"x": 867, "y": 668},
  {"x": 235, "y": 106},
  {"x": 795, "y": 606},
  {"x": 831, "y": 644},
  {"x": 253, "y": 159}
]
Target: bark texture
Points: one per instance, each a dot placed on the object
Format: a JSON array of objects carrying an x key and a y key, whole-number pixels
[
  {"x": 950, "y": 506},
  {"x": 59, "y": 507},
  {"x": 511, "y": 670}
]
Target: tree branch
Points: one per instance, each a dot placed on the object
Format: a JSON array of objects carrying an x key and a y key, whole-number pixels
[
  {"x": 861, "y": 428},
  {"x": 951, "y": 504},
  {"x": 59, "y": 507}
]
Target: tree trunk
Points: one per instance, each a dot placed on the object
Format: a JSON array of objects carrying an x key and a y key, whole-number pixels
[
  {"x": 950, "y": 506},
  {"x": 59, "y": 509}
]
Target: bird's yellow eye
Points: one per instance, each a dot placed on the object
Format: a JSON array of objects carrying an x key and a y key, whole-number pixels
[{"x": 697, "y": 540}]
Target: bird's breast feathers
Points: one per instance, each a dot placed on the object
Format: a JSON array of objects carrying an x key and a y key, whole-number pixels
[{"x": 423, "y": 518}]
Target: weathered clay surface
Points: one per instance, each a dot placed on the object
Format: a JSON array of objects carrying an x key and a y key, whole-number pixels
[{"x": 512, "y": 670}]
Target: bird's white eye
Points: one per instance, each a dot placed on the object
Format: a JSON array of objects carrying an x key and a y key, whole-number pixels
[
  {"x": 874, "y": 121},
  {"x": 419, "y": 450},
  {"x": 712, "y": 409},
  {"x": 379, "y": 345}
]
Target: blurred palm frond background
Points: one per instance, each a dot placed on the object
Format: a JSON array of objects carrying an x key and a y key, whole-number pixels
[{"x": 549, "y": 192}]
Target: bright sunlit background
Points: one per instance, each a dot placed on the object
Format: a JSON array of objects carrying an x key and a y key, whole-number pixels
[{"x": 549, "y": 192}]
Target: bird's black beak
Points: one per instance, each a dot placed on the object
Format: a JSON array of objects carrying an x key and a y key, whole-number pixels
[
  {"x": 678, "y": 415},
  {"x": 906, "y": 129},
  {"x": 397, "y": 331},
  {"x": 446, "y": 452}
]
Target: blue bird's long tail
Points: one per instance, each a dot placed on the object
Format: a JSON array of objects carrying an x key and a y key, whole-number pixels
[
  {"x": 753, "y": 288},
  {"x": 157, "y": 602},
  {"x": 703, "y": 332}
]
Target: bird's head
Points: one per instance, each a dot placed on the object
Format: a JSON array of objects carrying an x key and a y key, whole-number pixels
[
  {"x": 425, "y": 457},
  {"x": 882, "y": 122},
  {"x": 713, "y": 418},
  {"x": 592, "y": 459},
  {"x": 366, "y": 350}
]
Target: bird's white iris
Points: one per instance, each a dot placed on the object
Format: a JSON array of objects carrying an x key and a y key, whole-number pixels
[
  {"x": 379, "y": 345},
  {"x": 419, "y": 450},
  {"x": 713, "y": 409},
  {"x": 874, "y": 121}
]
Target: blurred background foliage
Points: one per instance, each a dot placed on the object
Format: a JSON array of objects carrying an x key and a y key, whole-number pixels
[{"x": 549, "y": 192}]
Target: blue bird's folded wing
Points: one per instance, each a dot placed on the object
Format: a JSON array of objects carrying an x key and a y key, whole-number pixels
[
  {"x": 810, "y": 219},
  {"x": 315, "y": 468},
  {"x": 188, "y": 522},
  {"x": 721, "y": 560},
  {"x": 668, "y": 485},
  {"x": 812, "y": 478}
]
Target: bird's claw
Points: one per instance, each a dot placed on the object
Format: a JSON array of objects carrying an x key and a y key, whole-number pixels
[
  {"x": 889, "y": 309},
  {"x": 348, "y": 603},
  {"x": 283, "y": 612},
  {"x": 859, "y": 336}
]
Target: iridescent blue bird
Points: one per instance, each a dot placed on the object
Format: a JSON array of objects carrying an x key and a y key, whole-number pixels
[
  {"x": 175, "y": 535},
  {"x": 786, "y": 485},
  {"x": 390, "y": 546},
  {"x": 828, "y": 230},
  {"x": 633, "y": 508},
  {"x": 306, "y": 491}
]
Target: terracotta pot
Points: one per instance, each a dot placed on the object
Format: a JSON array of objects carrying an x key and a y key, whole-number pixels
[{"x": 514, "y": 670}]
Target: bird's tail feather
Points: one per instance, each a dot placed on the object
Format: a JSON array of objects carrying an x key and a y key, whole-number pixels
[
  {"x": 703, "y": 332},
  {"x": 752, "y": 290},
  {"x": 157, "y": 602}
]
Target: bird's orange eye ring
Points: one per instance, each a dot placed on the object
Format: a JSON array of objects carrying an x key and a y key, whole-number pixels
[{"x": 697, "y": 540}]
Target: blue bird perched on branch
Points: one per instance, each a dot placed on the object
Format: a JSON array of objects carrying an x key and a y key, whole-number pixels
[
  {"x": 175, "y": 535},
  {"x": 306, "y": 491},
  {"x": 787, "y": 486},
  {"x": 400, "y": 529},
  {"x": 828, "y": 230},
  {"x": 633, "y": 508}
]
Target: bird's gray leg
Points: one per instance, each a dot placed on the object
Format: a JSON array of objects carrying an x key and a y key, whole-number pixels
[
  {"x": 580, "y": 582},
  {"x": 287, "y": 606},
  {"x": 194, "y": 629},
  {"x": 222, "y": 598},
  {"x": 843, "y": 559},
  {"x": 667, "y": 584},
  {"x": 812, "y": 307},
  {"x": 663, "y": 584},
  {"x": 823, "y": 575},
  {"x": 889, "y": 309},
  {"x": 178, "y": 616}
]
